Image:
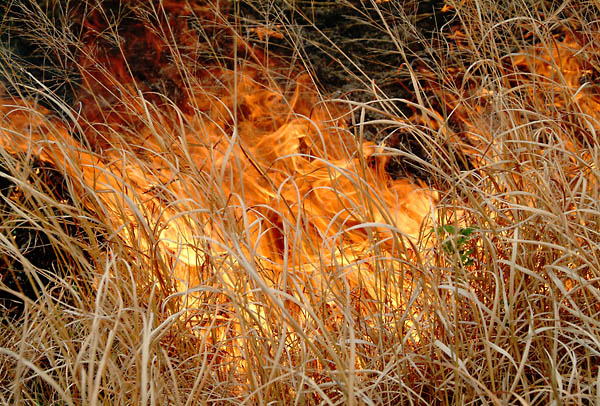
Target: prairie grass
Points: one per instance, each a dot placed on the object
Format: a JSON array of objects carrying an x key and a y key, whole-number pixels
[{"x": 215, "y": 230}]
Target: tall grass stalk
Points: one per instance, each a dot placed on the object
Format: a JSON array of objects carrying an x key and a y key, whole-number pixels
[{"x": 177, "y": 282}]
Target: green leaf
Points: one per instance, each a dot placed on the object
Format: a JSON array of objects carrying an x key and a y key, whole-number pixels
[
  {"x": 455, "y": 242},
  {"x": 467, "y": 231}
]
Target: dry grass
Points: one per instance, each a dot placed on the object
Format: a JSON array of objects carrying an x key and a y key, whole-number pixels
[{"x": 218, "y": 248}]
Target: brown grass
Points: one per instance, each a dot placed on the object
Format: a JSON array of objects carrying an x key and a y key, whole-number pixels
[{"x": 493, "y": 301}]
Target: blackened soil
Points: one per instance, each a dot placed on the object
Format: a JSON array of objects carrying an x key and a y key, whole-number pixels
[
  {"x": 28, "y": 61},
  {"x": 29, "y": 237},
  {"x": 353, "y": 55},
  {"x": 344, "y": 43}
]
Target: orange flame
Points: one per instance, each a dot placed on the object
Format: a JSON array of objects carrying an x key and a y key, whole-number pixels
[{"x": 236, "y": 155}]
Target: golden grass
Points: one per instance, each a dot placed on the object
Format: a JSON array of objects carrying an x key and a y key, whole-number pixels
[{"x": 178, "y": 282}]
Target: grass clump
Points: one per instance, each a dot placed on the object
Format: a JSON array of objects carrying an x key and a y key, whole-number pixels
[{"x": 225, "y": 233}]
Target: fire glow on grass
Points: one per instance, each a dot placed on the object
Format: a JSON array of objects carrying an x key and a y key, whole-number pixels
[
  {"x": 235, "y": 165},
  {"x": 547, "y": 82},
  {"x": 543, "y": 99},
  {"x": 276, "y": 235}
]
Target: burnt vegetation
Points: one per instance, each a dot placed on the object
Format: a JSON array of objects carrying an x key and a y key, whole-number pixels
[{"x": 299, "y": 202}]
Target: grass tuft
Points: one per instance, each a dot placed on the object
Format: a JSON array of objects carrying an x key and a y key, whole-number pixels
[{"x": 191, "y": 215}]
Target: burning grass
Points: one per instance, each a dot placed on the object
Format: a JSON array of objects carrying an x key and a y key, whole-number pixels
[{"x": 224, "y": 233}]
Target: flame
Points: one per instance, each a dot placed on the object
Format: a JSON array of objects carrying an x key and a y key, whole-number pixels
[
  {"x": 237, "y": 167},
  {"x": 545, "y": 100},
  {"x": 555, "y": 78},
  {"x": 234, "y": 165}
]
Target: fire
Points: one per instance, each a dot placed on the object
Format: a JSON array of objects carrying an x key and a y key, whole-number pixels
[
  {"x": 262, "y": 243},
  {"x": 549, "y": 79},
  {"x": 242, "y": 163}
]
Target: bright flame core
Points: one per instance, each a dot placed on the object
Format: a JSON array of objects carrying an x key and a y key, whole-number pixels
[{"x": 239, "y": 167}]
